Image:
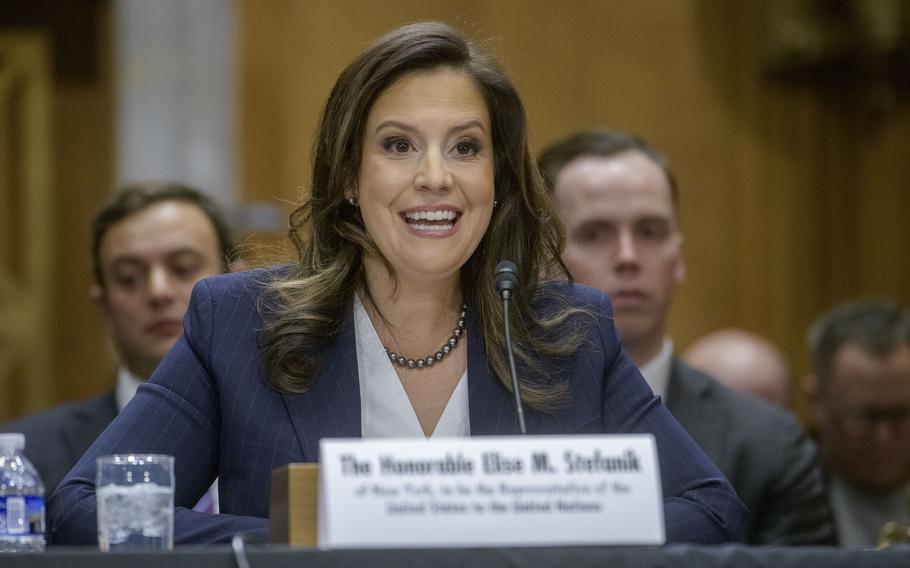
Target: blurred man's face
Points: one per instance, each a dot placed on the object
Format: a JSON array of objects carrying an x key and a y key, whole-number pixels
[
  {"x": 150, "y": 261},
  {"x": 623, "y": 239},
  {"x": 863, "y": 418}
]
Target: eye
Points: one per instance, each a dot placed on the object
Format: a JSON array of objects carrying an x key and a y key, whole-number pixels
[
  {"x": 127, "y": 279},
  {"x": 184, "y": 271},
  {"x": 467, "y": 148},
  {"x": 186, "y": 266},
  {"x": 652, "y": 230},
  {"x": 594, "y": 233},
  {"x": 398, "y": 145}
]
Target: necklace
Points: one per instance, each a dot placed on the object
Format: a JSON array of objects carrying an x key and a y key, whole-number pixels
[{"x": 430, "y": 360}]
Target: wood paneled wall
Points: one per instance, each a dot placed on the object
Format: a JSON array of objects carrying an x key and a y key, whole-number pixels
[
  {"x": 26, "y": 243},
  {"x": 791, "y": 198},
  {"x": 84, "y": 154},
  {"x": 69, "y": 359}
]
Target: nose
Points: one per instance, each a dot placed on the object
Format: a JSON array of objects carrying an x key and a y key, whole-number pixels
[
  {"x": 626, "y": 257},
  {"x": 160, "y": 286},
  {"x": 433, "y": 173}
]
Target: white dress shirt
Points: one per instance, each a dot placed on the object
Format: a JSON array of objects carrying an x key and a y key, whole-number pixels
[
  {"x": 860, "y": 516},
  {"x": 657, "y": 370},
  {"x": 127, "y": 383}
]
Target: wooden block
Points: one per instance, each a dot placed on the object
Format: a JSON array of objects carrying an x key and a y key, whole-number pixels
[{"x": 294, "y": 505}]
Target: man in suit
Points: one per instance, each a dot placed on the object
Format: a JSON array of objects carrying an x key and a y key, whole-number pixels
[
  {"x": 150, "y": 244},
  {"x": 860, "y": 395},
  {"x": 618, "y": 200},
  {"x": 743, "y": 361}
]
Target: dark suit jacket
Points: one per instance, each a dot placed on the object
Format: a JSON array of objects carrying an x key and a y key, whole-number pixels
[
  {"x": 207, "y": 405},
  {"x": 55, "y": 439},
  {"x": 764, "y": 453}
]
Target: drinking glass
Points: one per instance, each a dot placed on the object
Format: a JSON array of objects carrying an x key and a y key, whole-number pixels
[{"x": 135, "y": 502}]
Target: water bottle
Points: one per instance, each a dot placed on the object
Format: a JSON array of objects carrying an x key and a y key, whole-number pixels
[{"x": 21, "y": 499}]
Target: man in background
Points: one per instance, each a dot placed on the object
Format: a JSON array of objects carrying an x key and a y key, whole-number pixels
[
  {"x": 150, "y": 244},
  {"x": 618, "y": 200},
  {"x": 745, "y": 362},
  {"x": 860, "y": 395}
]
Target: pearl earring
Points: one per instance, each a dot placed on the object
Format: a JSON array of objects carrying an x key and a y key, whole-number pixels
[
  {"x": 352, "y": 201},
  {"x": 495, "y": 203}
]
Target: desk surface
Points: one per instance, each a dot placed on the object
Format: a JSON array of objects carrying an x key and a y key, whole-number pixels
[{"x": 615, "y": 557}]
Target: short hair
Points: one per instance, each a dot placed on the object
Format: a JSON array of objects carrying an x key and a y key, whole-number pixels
[
  {"x": 139, "y": 196},
  {"x": 600, "y": 143},
  {"x": 877, "y": 325}
]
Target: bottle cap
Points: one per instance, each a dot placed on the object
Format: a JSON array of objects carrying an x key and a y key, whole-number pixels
[{"x": 12, "y": 441}]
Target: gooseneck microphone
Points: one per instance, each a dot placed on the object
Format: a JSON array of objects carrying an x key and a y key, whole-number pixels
[{"x": 506, "y": 280}]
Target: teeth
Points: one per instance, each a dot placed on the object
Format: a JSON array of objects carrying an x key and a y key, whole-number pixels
[
  {"x": 438, "y": 228},
  {"x": 447, "y": 215}
]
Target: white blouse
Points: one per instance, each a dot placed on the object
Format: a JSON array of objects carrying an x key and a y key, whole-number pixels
[{"x": 385, "y": 410}]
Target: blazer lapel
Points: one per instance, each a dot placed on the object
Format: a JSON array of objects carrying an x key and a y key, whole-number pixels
[
  {"x": 331, "y": 408},
  {"x": 87, "y": 424},
  {"x": 491, "y": 406},
  {"x": 689, "y": 400}
]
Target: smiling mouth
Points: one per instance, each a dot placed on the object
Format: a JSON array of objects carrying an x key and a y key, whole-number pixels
[{"x": 439, "y": 221}]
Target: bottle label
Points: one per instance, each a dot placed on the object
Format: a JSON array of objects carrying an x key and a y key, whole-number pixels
[{"x": 21, "y": 516}]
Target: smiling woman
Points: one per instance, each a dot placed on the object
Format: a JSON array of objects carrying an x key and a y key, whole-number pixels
[
  {"x": 421, "y": 125},
  {"x": 389, "y": 325},
  {"x": 425, "y": 185}
]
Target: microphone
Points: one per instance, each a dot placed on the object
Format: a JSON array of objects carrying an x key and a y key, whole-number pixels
[{"x": 506, "y": 281}]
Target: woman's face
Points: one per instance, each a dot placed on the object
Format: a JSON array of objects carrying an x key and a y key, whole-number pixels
[{"x": 425, "y": 184}]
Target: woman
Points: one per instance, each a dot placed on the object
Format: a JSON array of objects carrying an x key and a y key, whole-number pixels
[{"x": 388, "y": 325}]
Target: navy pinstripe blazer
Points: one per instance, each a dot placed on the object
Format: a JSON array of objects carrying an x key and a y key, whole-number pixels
[{"x": 208, "y": 406}]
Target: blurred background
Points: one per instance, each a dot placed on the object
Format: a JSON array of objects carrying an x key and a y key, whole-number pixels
[{"x": 787, "y": 123}]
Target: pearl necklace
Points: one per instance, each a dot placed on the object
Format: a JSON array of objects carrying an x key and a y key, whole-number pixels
[{"x": 429, "y": 361}]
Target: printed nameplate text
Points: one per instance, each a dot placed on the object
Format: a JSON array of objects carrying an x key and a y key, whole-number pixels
[{"x": 490, "y": 491}]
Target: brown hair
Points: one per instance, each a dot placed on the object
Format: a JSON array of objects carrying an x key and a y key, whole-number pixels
[
  {"x": 139, "y": 196},
  {"x": 602, "y": 143},
  {"x": 304, "y": 308},
  {"x": 877, "y": 325}
]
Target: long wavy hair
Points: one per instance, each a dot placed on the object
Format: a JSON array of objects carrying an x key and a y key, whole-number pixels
[{"x": 303, "y": 308}]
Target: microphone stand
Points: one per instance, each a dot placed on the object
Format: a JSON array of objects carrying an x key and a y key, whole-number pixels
[
  {"x": 518, "y": 406},
  {"x": 506, "y": 281}
]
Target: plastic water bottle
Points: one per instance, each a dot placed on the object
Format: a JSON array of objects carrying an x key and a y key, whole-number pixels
[{"x": 21, "y": 499}]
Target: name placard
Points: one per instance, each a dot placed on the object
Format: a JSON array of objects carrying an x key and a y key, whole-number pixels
[{"x": 490, "y": 491}]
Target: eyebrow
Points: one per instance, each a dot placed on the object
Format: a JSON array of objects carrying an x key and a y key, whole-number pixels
[
  {"x": 129, "y": 259},
  {"x": 596, "y": 222},
  {"x": 126, "y": 260},
  {"x": 183, "y": 251},
  {"x": 647, "y": 219},
  {"x": 472, "y": 123},
  {"x": 659, "y": 219},
  {"x": 588, "y": 224}
]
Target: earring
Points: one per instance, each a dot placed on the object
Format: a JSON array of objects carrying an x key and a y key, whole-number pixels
[
  {"x": 495, "y": 203},
  {"x": 352, "y": 201}
]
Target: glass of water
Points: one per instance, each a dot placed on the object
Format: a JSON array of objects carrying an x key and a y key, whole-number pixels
[{"x": 135, "y": 502}]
